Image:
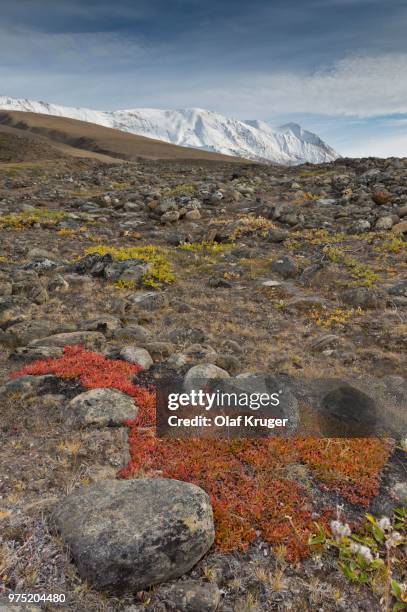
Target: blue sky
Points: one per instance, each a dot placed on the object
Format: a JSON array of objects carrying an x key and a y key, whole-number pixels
[{"x": 337, "y": 67}]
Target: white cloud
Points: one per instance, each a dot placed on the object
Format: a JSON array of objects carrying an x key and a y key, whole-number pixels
[
  {"x": 362, "y": 86},
  {"x": 386, "y": 146}
]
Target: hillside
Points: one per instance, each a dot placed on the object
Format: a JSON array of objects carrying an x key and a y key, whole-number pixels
[
  {"x": 96, "y": 139},
  {"x": 201, "y": 129}
]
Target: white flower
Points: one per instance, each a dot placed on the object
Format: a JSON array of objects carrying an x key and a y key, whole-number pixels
[
  {"x": 340, "y": 530},
  {"x": 384, "y": 523},
  {"x": 363, "y": 551},
  {"x": 394, "y": 539}
]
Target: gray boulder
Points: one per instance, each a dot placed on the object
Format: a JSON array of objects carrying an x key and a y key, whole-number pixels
[
  {"x": 128, "y": 535},
  {"x": 137, "y": 355},
  {"x": 201, "y": 373},
  {"x": 101, "y": 408}
]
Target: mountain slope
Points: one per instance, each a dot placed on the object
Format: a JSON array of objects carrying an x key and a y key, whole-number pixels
[
  {"x": 200, "y": 129},
  {"x": 85, "y": 139}
]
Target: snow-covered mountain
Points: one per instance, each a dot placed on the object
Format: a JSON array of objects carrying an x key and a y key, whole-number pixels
[{"x": 200, "y": 129}]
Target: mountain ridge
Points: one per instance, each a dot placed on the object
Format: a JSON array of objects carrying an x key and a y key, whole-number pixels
[{"x": 198, "y": 128}]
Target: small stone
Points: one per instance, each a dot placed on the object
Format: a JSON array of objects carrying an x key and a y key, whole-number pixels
[
  {"x": 285, "y": 266},
  {"x": 137, "y": 355},
  {"x": 277, "y": 235},
  {"x": 400, "y": 228},
  {"x": 132, "y": 332},
  {"x": 194, "y": 335},
  {"x": 193, "y": 215},
  {"x": 326, "y": 201},
  {"x": 323, "y": 342},
  {"x": 384, "y": 223},
  {"x": 177, "y": 361},
  {"x": 170, "y": 216},
  {"x": 160, "y": 350},
  {"x": 360, "y": 226},
  {"x": 381, "y": 197},
  {"x": 150, "y": 300},
  {"x": 191, "y": 596}
]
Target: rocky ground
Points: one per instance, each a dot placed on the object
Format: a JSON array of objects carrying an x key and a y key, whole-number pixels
[{"x": 299, "y": 272}]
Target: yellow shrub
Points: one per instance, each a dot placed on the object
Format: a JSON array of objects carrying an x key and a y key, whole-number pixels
[{"x": 160, "y": 272}]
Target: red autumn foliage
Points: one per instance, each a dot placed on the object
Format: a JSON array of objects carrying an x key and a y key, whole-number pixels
[
  {"x": 95, "y": 371},
  {"x": 252, "y": 483}
]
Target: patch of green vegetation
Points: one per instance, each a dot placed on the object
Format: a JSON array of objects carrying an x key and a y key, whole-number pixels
[
  {"x": 160, "y": 272},
  {"x": 361, "y": 274},
  {"x": 121, "y": 186},
  {"x": 16, "y": 168},
  {"x": 180, "y": 190},
  {"x": 206, "y": 256},
  {"x": 208, "y": 248},
  {"x": 372, "y": 556},
  {"x": 392, "y": 244},
  {"x": 311, "y": 173},
  {"x": 316, "y": 237},
  {"x": 255, "y": 267},
  {"x": 41, "y": 216},
  {"x": 125, "y": 285}
]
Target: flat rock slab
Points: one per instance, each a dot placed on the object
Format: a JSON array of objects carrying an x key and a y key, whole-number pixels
[
  {"x": 89, "y": 339},
  {"x": 128, "y": 535},
  {"x": 101, "y": 408}
]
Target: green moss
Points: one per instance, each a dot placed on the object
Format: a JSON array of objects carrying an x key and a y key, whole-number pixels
[
  {"x": 394, "y": 244},
  {"x": 361, "y": 274},
  {"x": 316, "y": 237},
  {"x": 121, "y": 186},
  {"x": 208, "y": 248},
  {"x": 18, "y": 221},
  {"x": 180, "y": 190},
  {"x": 160, "y": 272}
]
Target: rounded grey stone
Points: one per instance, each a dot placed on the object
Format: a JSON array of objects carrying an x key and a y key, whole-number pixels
[{"x": 128, "y": 535}]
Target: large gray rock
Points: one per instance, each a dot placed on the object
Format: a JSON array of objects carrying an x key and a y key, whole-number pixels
[
  {"x": 201, "y": 373},
  {"x": 28, "y": 386},
  {"x": 128, "y": 535},
  {"x": 26, "y": 331},
  {"x": 101, "y": 408}
]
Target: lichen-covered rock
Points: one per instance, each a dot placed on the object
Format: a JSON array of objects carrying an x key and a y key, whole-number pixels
[
  {"x": 203, "y": 372},
  {"x": 101, "y": 408},
  {"x": 137, "y": 355},
  {"x": 191, "y": 596},
  {"x": 128, "y": 535},
  {"x": 27, "y": 386},
  {"x": 90, "y": 339},
  {"x": 364, "y": 297}
]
